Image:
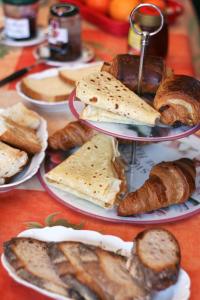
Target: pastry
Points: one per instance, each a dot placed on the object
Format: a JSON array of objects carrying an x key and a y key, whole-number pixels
[
  {"x": 103, "y": 91},
  {"x": 92, "y": 173},
  {"x": 178, "y": 100},
  {"x": 73, "y": 134},
  {"x": 169, "y": 183},
  {"x": 125, "y": 67}
]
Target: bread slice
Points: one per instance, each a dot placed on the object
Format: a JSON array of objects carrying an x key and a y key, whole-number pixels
[
  {"x": 22, "y": 115},
  {"x": 102, "y": 271},
  {"x": 155, "y": 259},
  {"x": 19, "y": 136},
  {"x": 50, "y": 89},
  {"x": 72, "y": 75},
  {"x": 11, "y": 162},
  {"x": 30, "y": 260}
]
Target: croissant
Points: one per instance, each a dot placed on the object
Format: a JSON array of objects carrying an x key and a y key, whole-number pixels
[
  {"x": 74, "y": 134},
  {"x": 125, "y": 68},
  {"x": 178, "y": 100},
  {"x": 169, "y": 183}
]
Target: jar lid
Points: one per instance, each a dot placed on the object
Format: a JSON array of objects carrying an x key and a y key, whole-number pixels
[
  {"x": 20, "y": 2},
  {"x": 64, "y": 10}
]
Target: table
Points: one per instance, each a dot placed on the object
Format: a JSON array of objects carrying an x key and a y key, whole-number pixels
[{"x": 31, "y": 203}]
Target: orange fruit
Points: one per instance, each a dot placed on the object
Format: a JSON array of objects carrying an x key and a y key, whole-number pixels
[
  {"x": 100, "y": 5},
  {"x": 121, "y": 9},
  {"x": 160, "y": 3}
]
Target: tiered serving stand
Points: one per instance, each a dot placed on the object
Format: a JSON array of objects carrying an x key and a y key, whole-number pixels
[{"x": 139, "y": 165}]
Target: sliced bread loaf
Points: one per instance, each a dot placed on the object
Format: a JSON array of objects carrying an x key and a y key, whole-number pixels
[
  {"x": 50, "y": 89},
  {"x": 155, "y": 259},
  {"x": 102, "y": 271},
  {"x": 11, "y": 162},
  {"x": 71, "y": 76},
  {"x": 19, "y": 136},
  {"x": 31, "y": 262},
  {"x": 22, "y": 116}
]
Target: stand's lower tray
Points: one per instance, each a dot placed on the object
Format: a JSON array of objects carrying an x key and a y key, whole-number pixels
[{"x": 147, "y": 156}]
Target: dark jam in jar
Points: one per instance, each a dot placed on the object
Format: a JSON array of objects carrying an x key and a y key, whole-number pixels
[
  {"x": 64, "y": 32},
  {"x": 20, "y": 19},
  {"x": 148, "y": 20}
]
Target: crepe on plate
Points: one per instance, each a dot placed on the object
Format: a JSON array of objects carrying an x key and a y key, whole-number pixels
[
  {"x": 93, "y": 173},
  {"x": 103, "y": 91}
]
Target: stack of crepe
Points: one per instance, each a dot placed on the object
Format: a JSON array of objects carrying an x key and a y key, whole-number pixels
[
  {"x": 94, "y": 172},
  {"x": 109, "y": 100}
]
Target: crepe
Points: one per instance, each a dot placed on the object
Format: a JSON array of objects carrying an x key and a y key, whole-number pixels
[
  {"x": 95, "y": 114},
  {"x": 104, "y": 91},
  {"x": 90, "y": 173}
]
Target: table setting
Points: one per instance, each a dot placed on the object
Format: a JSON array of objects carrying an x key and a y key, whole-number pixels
[{"x": 99, "y": 150}]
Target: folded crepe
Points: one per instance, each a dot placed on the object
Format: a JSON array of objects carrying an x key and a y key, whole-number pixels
[
  {"x": 104, "y": 91},
  {"x": 95, "y": 114},
  {"x": 92, "y": 173}
]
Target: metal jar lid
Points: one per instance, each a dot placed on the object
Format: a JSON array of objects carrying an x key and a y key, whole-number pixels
[{"x": 64, "y": 10}]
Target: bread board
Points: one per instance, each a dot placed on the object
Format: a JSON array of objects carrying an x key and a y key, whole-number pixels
[
  {"x": 33, "y": 165},
  {"x": 180, "y": 291}
]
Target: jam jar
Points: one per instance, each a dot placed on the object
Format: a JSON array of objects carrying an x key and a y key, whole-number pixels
[
  {"x": 64, "y": 32},
  {"x": 20, "y": 19},
  {"x": 148, "y": 20}
]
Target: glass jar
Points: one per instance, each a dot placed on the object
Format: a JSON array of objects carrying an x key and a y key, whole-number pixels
[
  {"x": 64, "y": 32},
  {"x": 20, "y": 19},
  {"x": 158, "y": 44}
]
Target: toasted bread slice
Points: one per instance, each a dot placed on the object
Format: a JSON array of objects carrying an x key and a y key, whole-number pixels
[
  {"x": 11, "y": 162},
  {"x": 71, "y": 76},
  {"x": 155, "y": 260},
  {"x": 31, "y": 262},
  {"x": 23, "y": 116},
  {"x": 19, "y": 136},
  {"x": 102, "y": 271},
  {"x": 50, "y": 89}
]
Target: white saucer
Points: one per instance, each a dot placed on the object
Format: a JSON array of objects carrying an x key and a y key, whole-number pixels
[
  {"x": 42, "y": 52},
  {"x": 41, "y": 37}
]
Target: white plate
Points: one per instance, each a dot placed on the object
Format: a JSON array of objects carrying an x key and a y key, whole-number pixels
[
  {"x": 41, "y": 37},
  {"x": 42, "y": 52},
  {"x": 32, "y": 167},
  {"x": 147, "y": 156},
  {"x": 179, "y": 291},
  {"x": 50, "y": 106}
]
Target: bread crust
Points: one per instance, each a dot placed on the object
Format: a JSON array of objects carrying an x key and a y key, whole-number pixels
[
  {"x": 153, "y": 278},
  {"x": 41, "y": 97}
]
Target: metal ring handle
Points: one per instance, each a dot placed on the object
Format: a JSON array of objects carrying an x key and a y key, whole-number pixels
[{"x": 132, "y": 15}]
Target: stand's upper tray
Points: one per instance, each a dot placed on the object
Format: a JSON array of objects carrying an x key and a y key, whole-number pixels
[{"x": 133, "y": 132}]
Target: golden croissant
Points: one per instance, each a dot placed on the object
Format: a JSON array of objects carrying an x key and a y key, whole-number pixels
[{"x": 169, "y": 183}]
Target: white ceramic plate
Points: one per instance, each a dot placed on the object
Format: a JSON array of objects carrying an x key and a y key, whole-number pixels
[
  {"x": 41, "y": 37},
  {"x": 50, "y": 106},
  {"x": 146, "y": 157},
  {"x": 32, "y": 167},
  {"x": 42, "y": 52},
  {"x": 179, "y": 291}
]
